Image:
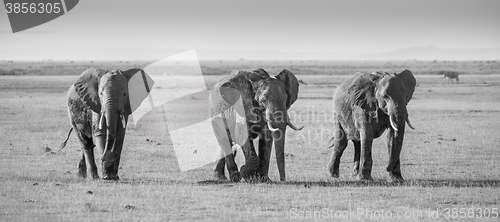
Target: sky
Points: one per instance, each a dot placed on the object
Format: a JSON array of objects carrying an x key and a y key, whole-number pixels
[{"x": 154, "y": 29}]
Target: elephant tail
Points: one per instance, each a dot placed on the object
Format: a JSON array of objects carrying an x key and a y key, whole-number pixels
[{"x": 63, "y": 144}]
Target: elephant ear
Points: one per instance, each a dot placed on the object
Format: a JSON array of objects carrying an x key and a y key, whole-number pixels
[
  {"x": 87, "y": 87},
  {"x": 291, "y": 86},
  {"x": 229, "y": 93},
  {"x": 409, "y": 81},
  {"x": 139, "y": 87},
  {"x": 362, "y": 91}
]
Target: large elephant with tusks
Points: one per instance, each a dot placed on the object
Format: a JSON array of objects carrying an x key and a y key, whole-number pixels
[
  {"x": 98, "y": 108},
  {"x": 364, "y": 106},
  {"x": 265, "y": 102}
]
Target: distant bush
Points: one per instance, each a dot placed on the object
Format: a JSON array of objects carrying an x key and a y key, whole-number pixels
[
  {"x": 4, "y": 72},
  {"x": 13, "y": 72},
  {"x": 299, "y": 67}
]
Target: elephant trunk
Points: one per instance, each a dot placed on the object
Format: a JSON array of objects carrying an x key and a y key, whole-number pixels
[
  {"x": 279, "y": 146},
  {"x": 109, "y": 117},
  {"x": 280, "y": 120},
  {"x": 398, "y": 117},
  {"x": 111, "y": 120}
]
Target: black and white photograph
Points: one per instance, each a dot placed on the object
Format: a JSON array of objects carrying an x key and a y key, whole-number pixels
[{"x": 216, "y": 110}]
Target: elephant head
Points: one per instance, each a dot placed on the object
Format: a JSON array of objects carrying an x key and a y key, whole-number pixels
[
  {"x": 392, "y": 94},
  {"x": 107, "y": 94},
  {"x": 273, "y": 97}
]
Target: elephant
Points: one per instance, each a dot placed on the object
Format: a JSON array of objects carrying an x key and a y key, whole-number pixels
[
  {"x": 364, "y": 106},
  {"x": 98, "y": 108},
  {"x": 265, "y": 103},
  {"x": 451, "y": 75}
]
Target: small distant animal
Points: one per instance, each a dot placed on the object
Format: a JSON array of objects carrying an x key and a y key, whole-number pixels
[
  {"x": 302, "y": 82},
  {"x": 451, "y": 75}
]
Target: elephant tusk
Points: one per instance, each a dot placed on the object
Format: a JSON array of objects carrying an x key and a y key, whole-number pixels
[
  {"x": 294, "y": 127},
  {"x": 124, "y": 122},
  {"x": 101, "y": 121},
  {"x": 270, "y": 126},
  {"x": 409, "y": 124},
  {"x": 391, "y": 120}
]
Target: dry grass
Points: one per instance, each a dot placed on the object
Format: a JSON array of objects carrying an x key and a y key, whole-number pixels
[{"x": 450, "y": 161}]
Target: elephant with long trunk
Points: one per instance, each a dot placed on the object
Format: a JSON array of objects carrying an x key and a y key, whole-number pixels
[
  {"x": 364, "y": 106},
  {"x": 265, "y": 103},
  {"x": 98, "y": 107}
]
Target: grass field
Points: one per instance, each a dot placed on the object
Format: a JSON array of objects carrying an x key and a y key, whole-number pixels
[{"x": 451, "y": 160}]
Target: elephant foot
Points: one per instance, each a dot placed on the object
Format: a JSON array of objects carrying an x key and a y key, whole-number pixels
[
  {"x": 257, "y": 179},
  {"x": 262, "y": 178},
  {"x": 364, "y": 177},
  {"x": 395, "y": 177},
  {"x": 95, "y": 176},
  {"x": 265, "y": 179},
  {"x": 219, "y": 176},
  {"x": 334, "y": 174},
  {"x": 235, "y": 177},
  {"x": 111, "y": 177},
  {"x": 355, "y": 168},
  {"x": 82, "y": 172},
  {"x": 248, "y": 172},
  {"x": 82, "y": 169}
]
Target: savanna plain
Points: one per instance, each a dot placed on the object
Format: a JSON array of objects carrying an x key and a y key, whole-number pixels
[{"x": 451, "y": 162}]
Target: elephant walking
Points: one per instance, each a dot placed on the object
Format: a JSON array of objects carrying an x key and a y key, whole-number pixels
[
  {"x": 98, "y": 107},
  {"x": 364, "y": 106},
  {"x": 264, "y": 114},
  {"x": 451, "y": 75}
]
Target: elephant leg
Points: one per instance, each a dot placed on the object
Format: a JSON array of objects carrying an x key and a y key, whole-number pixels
[
  {"x": 339, "y": 145},
  {"x": 82, "y": 166},
  {"x": 395, "y": 172},
  {"x": 251, "y": 160},
  {"x": 366, "y": 161},
  {"x": 232, "y": 168},
  {"x": 357, "y": 156},
  {"x": 92, "y": 167},
  {"x": 87, "y": 147},
  {"x": 225, "y": 152},
  {"x": 265, "y": 148},
  {"x": 220, "y": 163}
]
